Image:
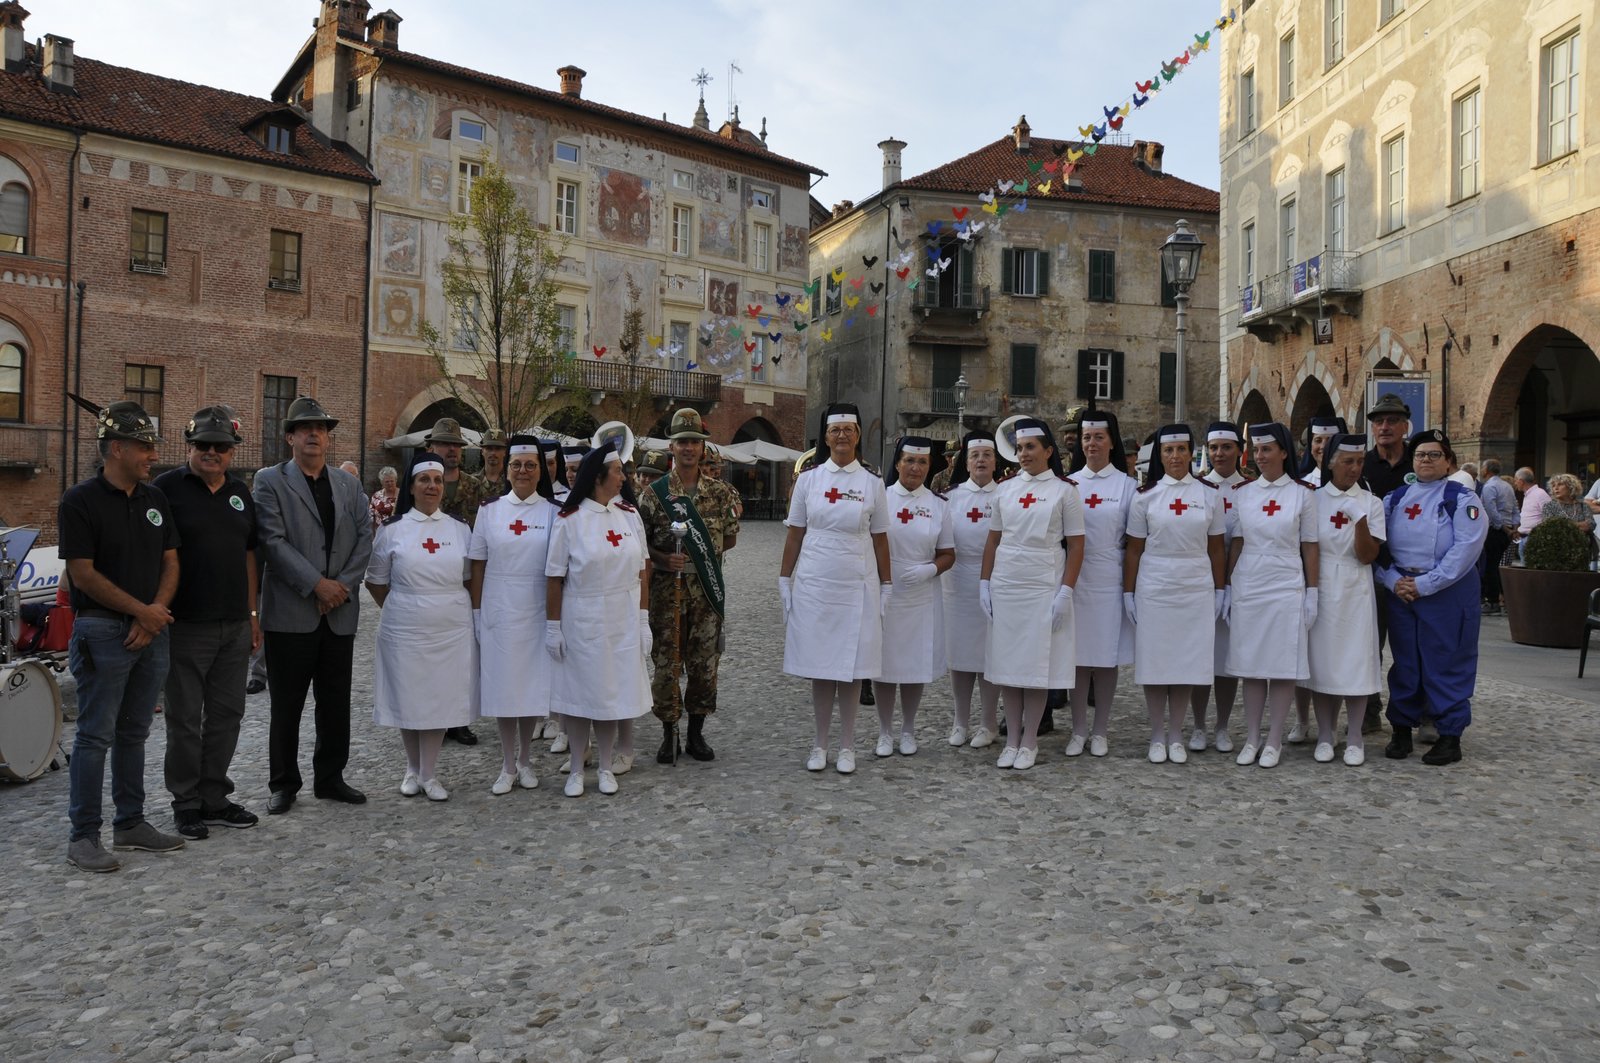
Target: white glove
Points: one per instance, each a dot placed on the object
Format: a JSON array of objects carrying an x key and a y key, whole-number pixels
[
  {"x": 917, "y": 574},
  {"x": 554, "y": 643},
  {"x": 477, "y": 625},
  {"x": 1060, "y": 607},
  {"x": 1220, "y": 603},
  {"x": 1308, "y": 611},
  {"x": 646, "y": 640},
  {"x": 885, "y": 590},
  {"x": 985, "y": 600},
  {"x": 1127, "y": 607},
  {"x": 786, "y": 594}
]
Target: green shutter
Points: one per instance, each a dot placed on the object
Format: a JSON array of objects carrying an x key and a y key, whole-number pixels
[
  {"x": 964, "y": 263},
  {"x": 1167, "y": 386},
  {"x": 1108, "y": 262},
  {"x": 1116, "y": 375},
  {"x": 1085, "y": 391},
  {"x": 1007, "y": 283},
  {"x": 1044, "y": 272}
]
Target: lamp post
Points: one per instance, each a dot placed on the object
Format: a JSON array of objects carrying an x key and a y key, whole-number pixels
[
  {"x": 1180, "y": 259},
  {"x": 961, "y": 387}
]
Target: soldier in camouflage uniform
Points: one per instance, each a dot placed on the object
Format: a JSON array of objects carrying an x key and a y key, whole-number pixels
[
  {"x": 463, "y": 493},
  {"x": 940, "y": 483},
  {"x": 496, "y": 484},
  {"x": 716, "y": 504}
]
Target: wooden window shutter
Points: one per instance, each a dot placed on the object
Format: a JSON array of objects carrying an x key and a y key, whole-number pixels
[
  {"x": 1007, "y": 270},
  {"x": 1042, "y": 259},
  {"x": 1116, "y": 375},
  {"x": 1167, "y": 387},
  {"x": 1085, "y": 385}
]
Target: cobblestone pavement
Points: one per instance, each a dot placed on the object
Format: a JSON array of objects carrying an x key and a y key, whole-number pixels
[{"x": 928, "y": 908}]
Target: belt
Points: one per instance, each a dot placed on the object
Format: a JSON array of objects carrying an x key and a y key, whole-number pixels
[
  {"x": 1413, "y": 572},
  {"x": 102, "y": 614}
]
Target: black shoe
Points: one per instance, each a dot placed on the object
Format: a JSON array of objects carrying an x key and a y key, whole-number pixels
[
  {"x": 230, "y": 815},
  {"x": 1447, "y": 750},
  {"x": 339, "y": 790},
  {"x": 255, "y": 686},
  {"x": 463, "y": 735},
  {"x": 696, "y": 745},
  {"x": 1399, "y": 747},
  {"x": 190, "y": 824},
  {"x": 1047, "y": 722},
  {"x": 1372, "y": 723},
  {"x": 867, "y": 696},
  {"x": 280, "y": 802},
  {"x": 670, "y": 747}
]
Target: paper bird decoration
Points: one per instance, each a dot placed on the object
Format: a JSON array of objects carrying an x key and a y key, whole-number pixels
[
  {"x": 753, "y": 311},
  {"x": 749, "y": 346},
  {"x": 876, "y": 288},
  {"x": 800, "y": 326},
  {"x": 992, "y": 207},
  {"x": 1140, "y": 101},
  {"x": 802, "y": 306},
  {"x": 911, "y": 285},
  {"x": 838, "y": 275},
  {"x": 988, "y": 197},
  {"x": 783, "y": 298},
  {"x": 764, "y": 320},
  {"x": 691, "y": 365},
  {"x": 736, "y": 332},
  {"x": 902, "y": 272},
  {"x": 777, "y": 359},
  {"x": 1090, "y": 149},
  {"x": 775, "y": 337},
  {"x": 851, "y": 301},
  {"x": 1086, "y": 130},
  {"x": 1202, "y": 42},
  {"x": 813, "y": 287},
  {"x": 934, "y": 227},
  {"x": 944, "y": 264},
  {"x": 1110, "y": 112},
  {"x": 827, "y": 335},
  {"x": 872, "y": 311},
  {"x": 901, "y": 244},
  {"x": 869, "y": 262},
  {"x": 1052, "y": 166},
  {"x": 1122, "y": 112},
  {"x": 933, "y": 252},
  {"x": 849, "y": 321},
  {"x": 600, "y": 352},
  {"x": 655, "y": 341},
  {"x": 857, "y": 282},
  {"x": 1073, "y": 155},
  {"x": 1115, "y": 123},
  {"x": 961, "y": 212},
  {"x": 1044, "y": 188},
  {"x": 1143, "y": 86},
  {"x": 1020, "y": 206}
]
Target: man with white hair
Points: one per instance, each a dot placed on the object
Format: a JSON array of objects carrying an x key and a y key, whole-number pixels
[{"x": 1533, "y": 499}]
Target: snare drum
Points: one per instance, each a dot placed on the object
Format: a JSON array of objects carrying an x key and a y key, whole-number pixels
[{"x": 30, "y": 720}]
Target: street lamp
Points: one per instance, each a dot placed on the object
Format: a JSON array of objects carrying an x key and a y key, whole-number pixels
[
  {"x": 961, "y": 388},
  {"x": 1180, "y": 259}
]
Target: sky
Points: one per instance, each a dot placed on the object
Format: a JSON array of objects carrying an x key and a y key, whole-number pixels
[{"x": 832, "y": 77}]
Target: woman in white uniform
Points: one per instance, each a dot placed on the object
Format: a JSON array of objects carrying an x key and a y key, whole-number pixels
[
  {"x": 597, "y": 619},
  {"x": 1172, "y": 586},
  {"x": 1030, "y": 565},
  {"x": 1343, "y": 650},
  {"x": 510, "y": 544},
  {"x": 1224, "y": 451},
  {"x": 1272, "y": 573},
  {"x": 966, "y": 625},
  {"x": 1104, "y": 633},
  {"x": 426, "y": 677},
  {"x": 922, "y": 545},
  {"x": 1318, "y": 433},
  {"x": 835, "y": 582}
]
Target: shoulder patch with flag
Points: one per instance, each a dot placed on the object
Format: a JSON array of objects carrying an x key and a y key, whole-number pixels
[{"x": 1472, "y": 512}]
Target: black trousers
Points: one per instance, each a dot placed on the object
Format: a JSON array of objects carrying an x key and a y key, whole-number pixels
[
  {"x": 1494, "y": 548},
  {"x": 319, "y": 661}
]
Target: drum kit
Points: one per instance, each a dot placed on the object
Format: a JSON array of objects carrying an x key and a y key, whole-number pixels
[{"x": 30, "y": 700}]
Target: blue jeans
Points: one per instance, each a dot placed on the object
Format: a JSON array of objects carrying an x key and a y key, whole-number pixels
[{"x": 117, "y": 691}]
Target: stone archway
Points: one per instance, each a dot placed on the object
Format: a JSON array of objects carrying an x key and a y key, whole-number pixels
[
  {"x": 1253, "y": 409},
  {"x": 1311, "y": 400},
  {"x": 1533, "y": 413},
  {"x": 757, "y": 428},
  {"x": 447, "y": 407},
  {"x": 574, "y": 421}
]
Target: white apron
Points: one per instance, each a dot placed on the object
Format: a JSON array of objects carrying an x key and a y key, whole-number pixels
[
  {"x": 1226, "y": 491},
  {"x": 1343, "y": 650},
  {"x": 512, "y": 537},
  {"x": 834, "y": 630},
  {"x": 913, "y": 625},
  {"x": 1273, "y": 518},
  {"x": 600, "y": 551},
  {"x": 966, "y": 625},
  {"x": 1032, "y": 515},
  {"x": 1174, "y": 595},
  {"x": 1104, "y": 634},
  {"x": 426, "y": 673}
]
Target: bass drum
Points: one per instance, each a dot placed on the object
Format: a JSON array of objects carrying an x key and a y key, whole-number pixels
[{"x": 30, "y": 720}]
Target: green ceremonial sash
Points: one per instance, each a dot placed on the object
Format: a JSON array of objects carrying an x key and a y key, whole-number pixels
[{"x": 697, "y": 543}]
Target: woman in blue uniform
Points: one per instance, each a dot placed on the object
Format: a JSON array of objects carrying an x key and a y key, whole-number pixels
[{"x": 1436, "y": 532}]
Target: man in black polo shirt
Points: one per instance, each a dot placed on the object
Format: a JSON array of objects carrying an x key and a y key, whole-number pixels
[
  {"x": 214, "y": 625},
  {"x": 121, "y": 548},
  {"x": 1385, "y": 469}
]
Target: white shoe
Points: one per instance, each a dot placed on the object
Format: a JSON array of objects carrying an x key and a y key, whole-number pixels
[
  {"x": 1297, "y": 734},
  {"x": 1224, "y": 742},
  {"x": 1158, "y": 752},
  {"x": 885, "y": 746},
  {"x": 409, "y": 786},
  {"x": 559, "y": 745},
  {"x": 1355, "y": 756},
  {"x": 435, "y": 791},
  {"x": 1075, "y": 745},
  {"x": 502, "y": 783},
  {"x": 574, "y": 786},
  {"x": 622, "y": 763},
  {"x": 845, "y": 763},
  {"x": 908, "y": 745},
  {"x": 1176, "y": 754},
  {"x": 526, "y": 778},
  {"x": 1268, "y": 758},
  {"x": 608, "y": 783},
  {"x": 982, "y": 737},
  {"x": 1247, "y": 755},
  {"x": 817, "y": 760},
  {"x": 1324, "y": 752},
  {"x": 1198, "y": 739},
  {"x": 1025, "y": 759},
  {"x": 1008, "y": 758},
  {"x": 958, "y": 735},
  {"x": 1098, "y": 746}
]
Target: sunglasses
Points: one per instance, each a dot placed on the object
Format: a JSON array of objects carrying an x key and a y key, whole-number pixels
[{"x": 220, "y": 448}]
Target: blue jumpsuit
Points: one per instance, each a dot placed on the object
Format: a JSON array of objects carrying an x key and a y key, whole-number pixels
[{"x": 1434, "y": 640}]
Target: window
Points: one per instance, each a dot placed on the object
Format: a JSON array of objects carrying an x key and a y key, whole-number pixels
[
  {"x": 14, "y": 201},
  {"x": 1103, "y": 276},
  {"x": 148, "y": 240},
  {"x": 683, "y": 180},
  {"x": 1558, "y": 98},
  {"x": 682, "y": 230},
  {"x": 1388, "y": 9},
  {"x": 1024, "y": 370},
  {"x": 567, "y": 329},
  {"x": 835, "y": 295},
  {"x": 470, "y": 130},
  {"x": 1336, "y": 211},
  {"x": 144, "y": 385},
  {"x": 816, "y": 299},
  {"x": 1247, "y": 254},
  {"x": 758, "y": 356},
  {"x": 567, "y": 208},
  {"x": 1288, "y": 216},
  {"x": 1100, "y": 375},
  {"x": 1024, "y": 271},
  {"x": 277, "y": 392},
  {"x": 1394, "y": 183},
  {"x": 1467, "y": 139},
  {"x": 760, "y": 197},
  {"x": 1169, "y": 294},
  {"x": 10, "y": 382},
  {"x": 1247, "y": 103},
  {"x": 761, "y": 249},
  {"x": 678, "y": 345},
  {"x": 352, "y": 94},
  {"x": 285, "y": 261},
  {"x": 469, "y": 323},
  {"x": 467, "y": 174},
  {"x": 277, "y": 138},
  {"x": 1334, "y": 25},
  {"x": 1286, "y": 69},
  {"x": 1167, "y": 379},
  {"x": 566, "y": 152}
]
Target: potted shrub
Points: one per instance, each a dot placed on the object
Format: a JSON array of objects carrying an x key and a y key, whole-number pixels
[{"x": 1547, "y": 596}]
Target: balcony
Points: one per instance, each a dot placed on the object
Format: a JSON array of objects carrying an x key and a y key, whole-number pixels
[
  {"x": 921, "y": 407},
  {"x": 948, "y": 303},
  {"x": 1281, "y": 303},
  {"x": 25, "y": 447},
  {"x": 668, "y": 385}
]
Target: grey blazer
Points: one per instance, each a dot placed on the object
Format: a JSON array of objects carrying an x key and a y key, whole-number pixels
[{"x": 291, "y": 547}]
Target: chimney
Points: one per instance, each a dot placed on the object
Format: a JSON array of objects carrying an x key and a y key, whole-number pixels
[
  {"x": 330, "y": 70},
  {"x": 572, "y": 80},
  {"x": 843, "y": 207},
  {"x": 352, "y": 18},
  {"x": 1152, "y": 156},
  {"x": 702, "y": 120},
  {"x": 12, "y": 16},
  {"x": 1019, "y": 133},
  {"x": 57, "y": 63},
  {"x": 383, "y": 29},
  {"x": 891, "y": 149}
]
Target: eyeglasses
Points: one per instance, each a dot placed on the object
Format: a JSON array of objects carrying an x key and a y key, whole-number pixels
[
  {"x": 220, "y": 448},
  {"x": 1428, "y": 455}
]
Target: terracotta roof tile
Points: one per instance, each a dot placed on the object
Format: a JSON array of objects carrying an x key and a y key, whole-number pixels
[
  {"x": 131, "y": 103},
  {"x": 1112, "y": 175}
]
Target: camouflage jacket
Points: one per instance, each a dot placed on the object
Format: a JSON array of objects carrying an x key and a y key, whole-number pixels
[
  {"x": 715, "y": 501},
  {"x": 468, "y": 495}
]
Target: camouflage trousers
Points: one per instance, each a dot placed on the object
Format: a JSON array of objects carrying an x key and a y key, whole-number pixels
[{"x": 702, "y": 633}]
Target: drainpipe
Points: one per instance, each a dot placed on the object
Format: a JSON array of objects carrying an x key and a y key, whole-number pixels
[
  {"x": 66, "y": 317},
  {"x": 77, "y": 376}
]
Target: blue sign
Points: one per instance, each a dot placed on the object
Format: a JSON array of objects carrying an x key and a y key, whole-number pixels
[{"x": 1413, "y": 391}]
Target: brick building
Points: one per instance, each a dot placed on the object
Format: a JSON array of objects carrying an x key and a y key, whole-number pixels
[{"x": 170, "y": 243}]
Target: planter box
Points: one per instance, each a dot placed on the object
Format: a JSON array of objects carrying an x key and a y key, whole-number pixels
[{"x": 1547, "y": 608}]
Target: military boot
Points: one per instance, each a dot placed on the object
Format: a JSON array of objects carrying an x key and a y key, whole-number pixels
[
  {"x": 1399, "y": 747},
  {"x": 696, "y": 744}
]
